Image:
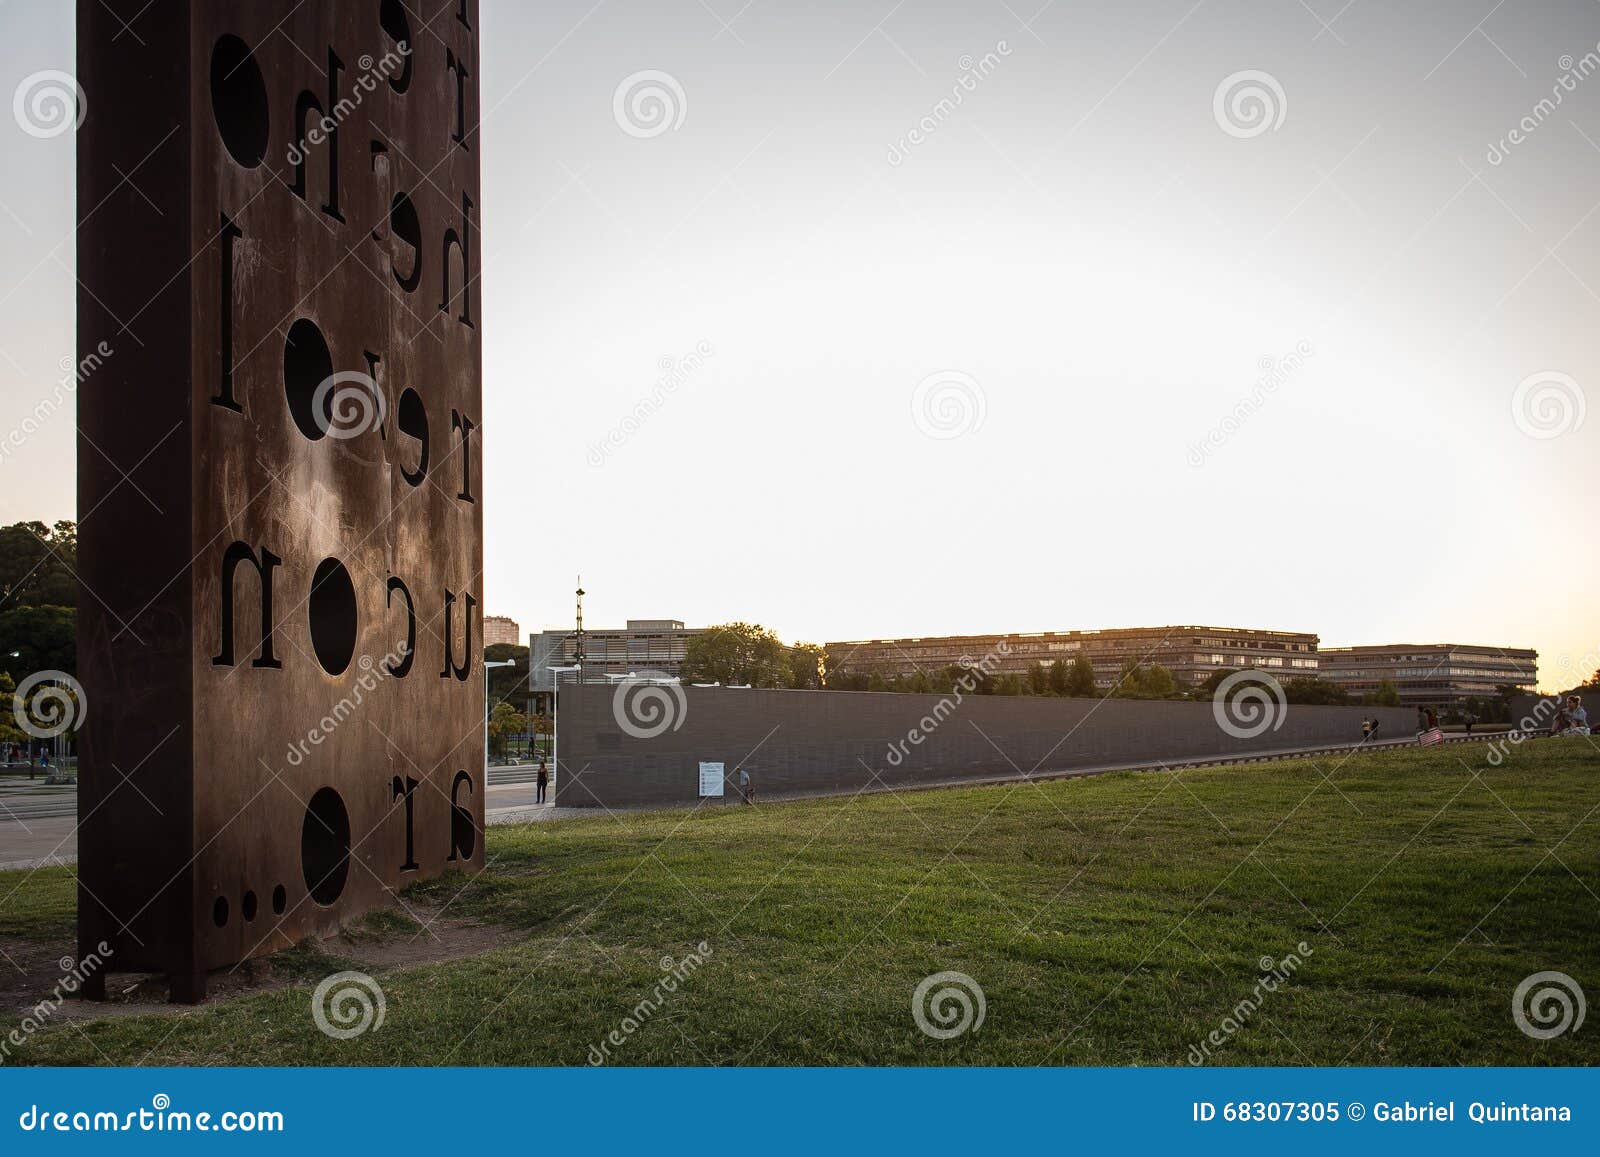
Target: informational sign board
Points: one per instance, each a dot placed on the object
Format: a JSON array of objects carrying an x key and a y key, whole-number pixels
[
  {"x": 711, "y": 779},
  {"x": 279, "y": 469}
]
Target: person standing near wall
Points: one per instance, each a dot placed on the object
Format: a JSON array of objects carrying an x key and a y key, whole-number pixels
[
  {"x": 541, "y": 781},
  {"x": 747, "y": 789}
]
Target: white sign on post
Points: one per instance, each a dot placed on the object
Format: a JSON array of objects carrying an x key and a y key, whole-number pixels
[{"x": 711, "y": 779}]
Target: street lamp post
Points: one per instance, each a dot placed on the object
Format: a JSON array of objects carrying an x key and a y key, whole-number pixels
[{"x": 487, "y": 663}]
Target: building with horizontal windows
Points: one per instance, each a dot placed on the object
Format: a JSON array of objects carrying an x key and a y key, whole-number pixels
[
  {"x": 656, "y": 646},
  {"x": 1190, "y": 653},
  {"x": 1432, "y": 674},
  {"x": 500, "y": 629}
]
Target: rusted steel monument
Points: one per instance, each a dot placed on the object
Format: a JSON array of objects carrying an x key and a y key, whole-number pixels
[{"x": 279, "y": 469}]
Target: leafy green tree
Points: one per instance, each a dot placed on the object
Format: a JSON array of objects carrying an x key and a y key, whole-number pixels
[
  {"x": 38, "y": 638},
  {"x": 37, "y": 564},
  {"x": 508, "y": 684},
  {"x": 1387, "y": 695},
  {"x": 1039, "y": 678},
  {"x": 1156, "y": 682},
  {"x": 9, "y": 731},
  {"x": 505, "y": 722},
  {"x": 1315, "y": 691},
  {"x": 736, "y": 654},
  {"x": 805, "y": 666},
  {"x": 1080, "y": 680}
]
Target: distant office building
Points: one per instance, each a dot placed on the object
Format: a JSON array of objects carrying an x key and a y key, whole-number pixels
[
  {"x": 654, "y": 645},
  {"x": 500, "y": 629},
  {"x": 1432, "y": 674},
  {"x": 1190, "y": 653}
]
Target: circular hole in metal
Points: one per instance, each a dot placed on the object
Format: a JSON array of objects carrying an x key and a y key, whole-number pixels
[
  {"x": 331, "y": 609},
  {"x": 239, "y": 100},
  {"x": 325, "y": 846}
]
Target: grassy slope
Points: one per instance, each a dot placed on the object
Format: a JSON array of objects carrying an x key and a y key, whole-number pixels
[{"x": 1113, "y": 920}]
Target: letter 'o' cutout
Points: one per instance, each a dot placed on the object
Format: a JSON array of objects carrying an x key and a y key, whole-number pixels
[
  {"x": 219, "y": 911},
  {"x": 239, "y": 101},
  {"x": 248, "y": 908},
  {"x": 307, "y": 363},
  {"x": 331, "y": 609},
  {"x": 325, "y": 846},
  {"x": 280, "y": 900}
]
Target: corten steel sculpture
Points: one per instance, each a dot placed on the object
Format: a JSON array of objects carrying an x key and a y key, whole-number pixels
[{"x": 279, "y": 470}]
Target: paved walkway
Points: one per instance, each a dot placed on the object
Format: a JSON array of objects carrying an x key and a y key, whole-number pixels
[{"x": 38, "y": 824}]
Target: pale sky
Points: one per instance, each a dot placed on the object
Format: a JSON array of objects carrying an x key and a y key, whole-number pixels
[{"x": 1092, "y": 255}]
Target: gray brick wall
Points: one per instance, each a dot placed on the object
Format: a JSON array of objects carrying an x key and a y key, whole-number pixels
[{"x": 799, "y": 742}]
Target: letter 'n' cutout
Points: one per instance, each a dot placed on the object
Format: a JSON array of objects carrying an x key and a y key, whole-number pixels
[
  {"x": 236, "y": 553},
  {"x": 407, "y": 788},
  {"x": 403, "y": 668},
  {"x": 463, "y": 832},
  {"x": 224, "y": 396},
  {"x": 459, "y": 421},
  {"x": 463, "y": 243},
  {"x": 450, "y": 667}
]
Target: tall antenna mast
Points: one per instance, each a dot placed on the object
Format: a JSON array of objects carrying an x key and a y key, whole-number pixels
[{"x": 580, "y": 628}]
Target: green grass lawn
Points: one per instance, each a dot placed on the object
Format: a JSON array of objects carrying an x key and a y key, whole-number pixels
[{"x": 1112, "y": 920}]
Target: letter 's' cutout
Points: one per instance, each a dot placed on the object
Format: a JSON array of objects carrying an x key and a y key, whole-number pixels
[{"x": 236, "y": 553}]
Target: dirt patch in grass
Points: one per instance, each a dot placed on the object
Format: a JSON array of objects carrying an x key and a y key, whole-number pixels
[{"x": 31, "y": 970}]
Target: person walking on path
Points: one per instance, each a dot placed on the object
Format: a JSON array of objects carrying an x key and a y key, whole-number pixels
[{"x": 542, "y": 780}]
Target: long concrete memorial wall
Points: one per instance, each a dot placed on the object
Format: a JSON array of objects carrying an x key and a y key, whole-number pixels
[{"x": 646, "y": 743}]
